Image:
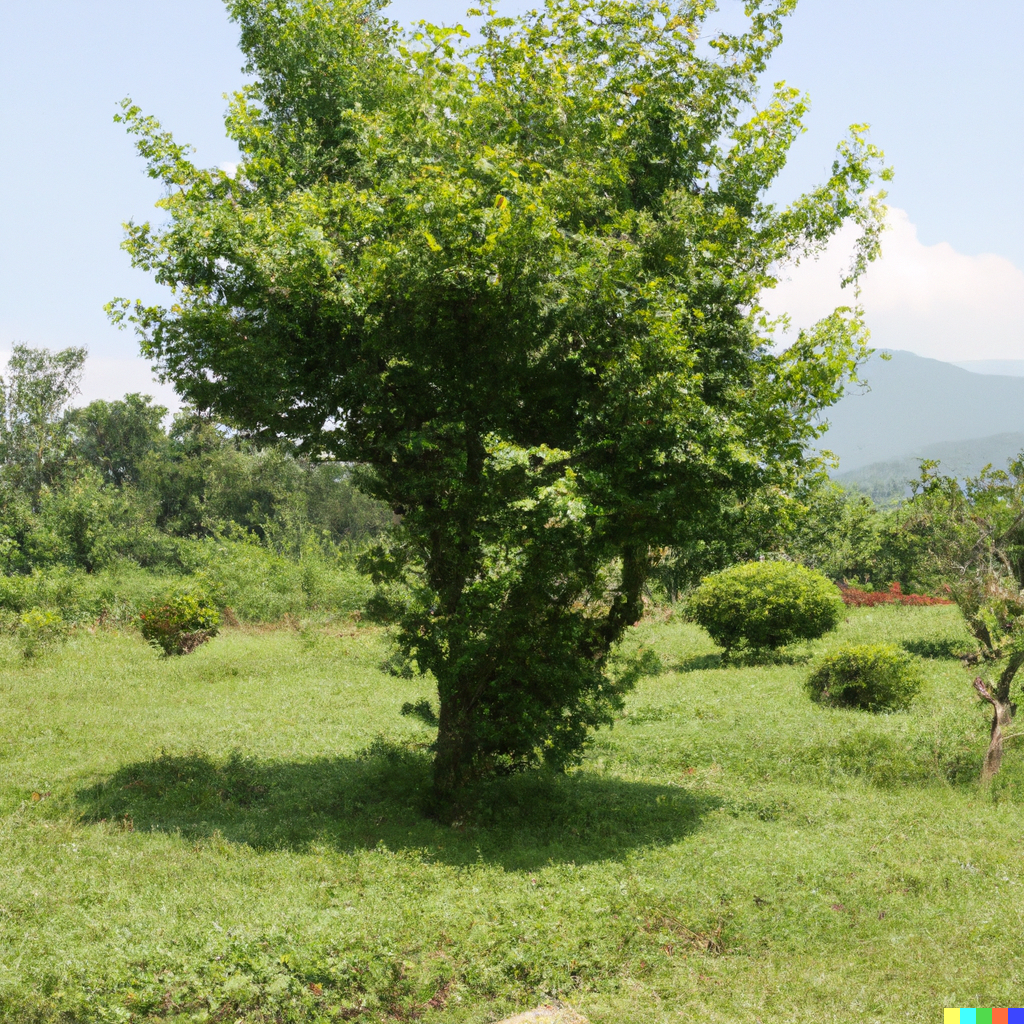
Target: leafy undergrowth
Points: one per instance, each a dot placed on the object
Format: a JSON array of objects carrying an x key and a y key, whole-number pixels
[{"x": 239, "y": 834}]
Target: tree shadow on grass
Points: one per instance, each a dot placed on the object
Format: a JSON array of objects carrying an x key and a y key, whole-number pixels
[
  {"x": 745, "y": 658},
  {"x": 783, "y": 657},
  {"x": 697, "y": 663},
  {"x": 378, "y": 796},
  {"x": 937, "y": 647}
]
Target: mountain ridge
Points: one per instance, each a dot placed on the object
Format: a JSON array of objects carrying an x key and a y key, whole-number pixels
[
  {"x": 914, "y": 406},
  {"x": 884, "y": 481}
]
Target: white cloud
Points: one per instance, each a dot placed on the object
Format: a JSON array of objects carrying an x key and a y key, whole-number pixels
[
  {"x": 926, "y": 299},
  {"x": 115, "y": 378}
]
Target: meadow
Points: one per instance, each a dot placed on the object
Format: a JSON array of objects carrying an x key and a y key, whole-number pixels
[{"x": 239, "y": 835}]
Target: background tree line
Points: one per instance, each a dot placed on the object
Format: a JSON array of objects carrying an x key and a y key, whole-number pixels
[
  {"x": 122, "y": 481},
  {"x": 841, "y": 532},
  {"x": 84, "y": 487}
]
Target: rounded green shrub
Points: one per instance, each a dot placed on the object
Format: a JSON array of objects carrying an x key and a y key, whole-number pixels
[
  {"x": 179, "y": 622},
  {"x": 39, "y": 629},
  {"x": 765, "y": 605},
  {"x": 872, "y": 677}
]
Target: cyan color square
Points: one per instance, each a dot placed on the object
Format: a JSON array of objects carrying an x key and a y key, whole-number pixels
[{"x": 968, "y": 1016}]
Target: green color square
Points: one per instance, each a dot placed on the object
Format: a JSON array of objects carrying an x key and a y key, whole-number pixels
[{"x": 983, "y": 1016}]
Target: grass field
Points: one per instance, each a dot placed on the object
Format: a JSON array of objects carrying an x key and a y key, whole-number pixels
[{"x": 237, "y": 836}]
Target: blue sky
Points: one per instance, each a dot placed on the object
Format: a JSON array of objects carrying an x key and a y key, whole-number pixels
[{"x": 938, "y": 81}]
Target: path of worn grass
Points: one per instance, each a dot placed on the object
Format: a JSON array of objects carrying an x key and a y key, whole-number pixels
[{"x": 237, "y": 835}]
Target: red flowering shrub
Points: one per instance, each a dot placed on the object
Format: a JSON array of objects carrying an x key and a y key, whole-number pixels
[{"x": 857, "y": 598}]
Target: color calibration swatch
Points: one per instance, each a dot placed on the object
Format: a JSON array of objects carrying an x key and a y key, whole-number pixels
[{"x": 996, "y": 1015}]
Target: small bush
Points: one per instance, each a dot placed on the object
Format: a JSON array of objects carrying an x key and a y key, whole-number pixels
[
  {"x": 180, "y": 622},
  {"x": 765, "y": 605},
  {"x": 872, "y": 677},
  {"x": 39, "y": 629}
]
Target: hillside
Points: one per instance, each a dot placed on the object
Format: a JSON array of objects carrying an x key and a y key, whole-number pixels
[
  {"x": 918, "y": 408},
  {"x": 887, "y": 480}
]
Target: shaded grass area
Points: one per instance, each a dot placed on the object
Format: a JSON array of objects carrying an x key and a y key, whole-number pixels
[
  {"x": 239, "y": 835},
  {"x": 377, "y": 797}
]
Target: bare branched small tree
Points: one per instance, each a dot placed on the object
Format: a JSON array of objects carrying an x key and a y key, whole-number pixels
[{"x": 974, "y": 531}]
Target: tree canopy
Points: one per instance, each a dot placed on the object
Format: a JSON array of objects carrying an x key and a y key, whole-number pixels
[
  {"x": 117, "y": 436},
  {"x": 36, "y": 387},
  {"x": 515, "y": 277}
]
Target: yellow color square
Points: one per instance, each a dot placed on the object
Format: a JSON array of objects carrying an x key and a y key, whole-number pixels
[{"x": 951, "y": 1016}]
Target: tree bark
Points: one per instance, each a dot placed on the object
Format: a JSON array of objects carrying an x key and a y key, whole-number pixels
[
  {"x": 449, "y": 758},
  {"x": 628, "y": 607},
  {"x": 1002, "y": 717},
  {"x": 452, "y": 561}
]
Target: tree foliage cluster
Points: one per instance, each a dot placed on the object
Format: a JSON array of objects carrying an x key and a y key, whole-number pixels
[
  {"x": 109, "y": 482},
  {"x": 842, "y": 534}
]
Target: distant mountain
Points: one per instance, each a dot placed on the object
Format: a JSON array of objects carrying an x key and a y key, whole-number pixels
[
  {"x": 999, "y": 367},
  {"x": 887, "y": 480},
  {"x": 918, "y": 408}
]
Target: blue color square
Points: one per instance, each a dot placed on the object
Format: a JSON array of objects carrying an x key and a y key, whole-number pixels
[
  {"x": 968, "y": 1016},
  {"x": 1016, "y": 1015}
]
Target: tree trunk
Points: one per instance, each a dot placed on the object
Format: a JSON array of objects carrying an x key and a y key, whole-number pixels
[
  {"x": 1002, "y": 717},
  {"x": 453, "y": 559},
  {"x": 450, "y": 757},
  {"x": 457, "y": 753},
  {"x": 628, "y": 607}
]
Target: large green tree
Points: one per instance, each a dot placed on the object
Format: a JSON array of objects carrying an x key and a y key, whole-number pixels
[{"x": 517, "y": 280}]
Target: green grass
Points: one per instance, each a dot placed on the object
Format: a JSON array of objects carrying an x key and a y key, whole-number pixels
[{"x": 237, "y": 835}]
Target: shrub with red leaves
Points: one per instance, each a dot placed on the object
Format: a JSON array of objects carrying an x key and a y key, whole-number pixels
[{"x": 857, "y": 598}]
